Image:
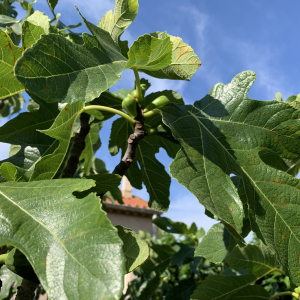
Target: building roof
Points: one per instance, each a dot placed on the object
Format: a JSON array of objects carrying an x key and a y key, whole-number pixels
[{"x": 132, "y": 204}]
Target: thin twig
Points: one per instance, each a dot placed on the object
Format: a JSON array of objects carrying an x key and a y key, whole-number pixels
[{"x": 77, "y": 147}]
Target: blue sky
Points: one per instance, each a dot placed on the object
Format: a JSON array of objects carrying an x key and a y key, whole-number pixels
[{"x": 228, "y": 36}]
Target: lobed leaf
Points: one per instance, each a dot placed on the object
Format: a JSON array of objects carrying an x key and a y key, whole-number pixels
[
  {"x": 224, "y": 134},
  {"x": 68, "y": 241}
]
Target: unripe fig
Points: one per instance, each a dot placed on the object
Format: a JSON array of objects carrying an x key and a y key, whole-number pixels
[
  {"x": 129, "y": 104},
  {"x": 151, "y": 131},
  {"x": 157, "y": 103}
]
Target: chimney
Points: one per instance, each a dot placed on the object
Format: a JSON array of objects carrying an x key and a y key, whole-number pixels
[{"x": 126, "y": 188}]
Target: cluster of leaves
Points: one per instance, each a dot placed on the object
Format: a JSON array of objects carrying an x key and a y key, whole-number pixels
[
  {"x": 185, "y": 264},
  {"x": 238, "y": 156}
]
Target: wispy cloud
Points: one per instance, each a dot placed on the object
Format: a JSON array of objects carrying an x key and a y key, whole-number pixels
[
  {"x": 93, "y": 11},
  {"x": 260, "y": 59}
]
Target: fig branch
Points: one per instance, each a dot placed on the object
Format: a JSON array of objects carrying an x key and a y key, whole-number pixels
[{"x": 132, "y": 144}]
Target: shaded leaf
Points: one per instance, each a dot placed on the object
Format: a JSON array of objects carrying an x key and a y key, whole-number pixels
[
  {"x": 103, "y": 183},
  {"x": 23, "y": 131},
  {"x": 259, "y": 260},
  {"x": 183, "y": 291},
  {"x": 150, "y": 53},
  {"x": 221, "y": 287},
  {"x": 62, "y": 130},
  {"x": 110, "y": 100},
  {"x": 151, "y": 171},
  {"x": 170, "y": 226},
  {"x": 159, "y": 259},
  {"x": 251, "y": 292},
  {"x": 17, "y": 263},
  {"x": 184, "y": 60},
  {"x": 214, "y": 244},
  {"x": 135, "y": 249},
  {"x": 92, "y": 144},
  {"x": 70, "y": 247},
  {"x": 12, "y": 105},
  {"x": 52, "y": 4},
  {"x": 150, "y": 288},
  {"x": 155, "y": 177},
  {"x": 185, "y": 251}
]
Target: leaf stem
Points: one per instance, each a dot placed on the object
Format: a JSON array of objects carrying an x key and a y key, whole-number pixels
[
  {"x": 112, "y": 110},
  {"x": 139, "y": 94},
  {"x": 3, "y": 258},
  {"x": 296, "y": 295},
  {"x": 151, "y": 113}
]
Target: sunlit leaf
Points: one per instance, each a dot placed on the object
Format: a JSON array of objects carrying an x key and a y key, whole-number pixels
[
  {"x": 116, "y": 22},
  {"x": 184, "y": 60},
  {"x": 150, "y": 53},
  {"x": 77, "y": 242},
  {"x": 9, "y": 54}
]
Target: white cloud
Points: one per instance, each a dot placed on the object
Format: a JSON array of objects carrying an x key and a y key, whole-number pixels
[
  {"x": 93, "y": 11},
  {"x": 200, "y": 22}
]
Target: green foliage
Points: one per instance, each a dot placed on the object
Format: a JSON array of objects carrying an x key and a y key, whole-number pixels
[
  {"x": 238, "y": 156},
  {"x": 64, "y": 234}
]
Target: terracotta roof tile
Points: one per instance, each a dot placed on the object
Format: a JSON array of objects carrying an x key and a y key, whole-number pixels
[{"x": 134, "y": 202}]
